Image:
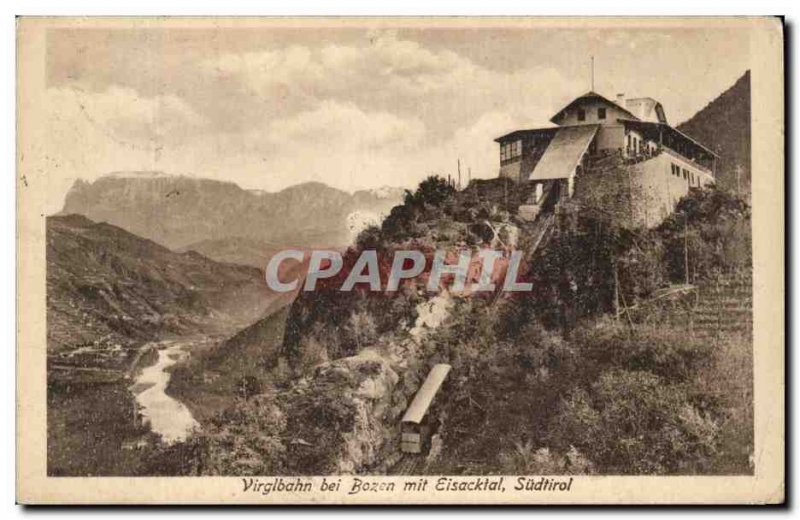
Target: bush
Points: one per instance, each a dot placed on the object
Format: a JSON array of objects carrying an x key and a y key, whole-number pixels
[
  {"x": 633, "y": 423},
  {"x": 525, "y": 460},
  {"x": 434, "y": 191},
  {"x": 641, "y": 270},
  {"x": 714, "y": 226},
  {"x": 243, "y": 440},
  {"x": 724, "y": 388},
  {"x": 425, "y": 204},
  {"x": 667, "y": 352},
  {"x": 312, "y": 352},
  {"x": 369, "y": 239},
  {"x": 360, "y": 330},
  {"x": 247, "y": 387}
]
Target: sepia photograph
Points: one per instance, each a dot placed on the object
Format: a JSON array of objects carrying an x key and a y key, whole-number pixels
[{"x": 400, "y": 260}]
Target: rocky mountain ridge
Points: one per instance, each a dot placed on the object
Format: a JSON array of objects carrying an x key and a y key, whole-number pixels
[{"x": 179, "y": 212}]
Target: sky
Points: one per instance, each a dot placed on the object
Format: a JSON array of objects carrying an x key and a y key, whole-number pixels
[{"x": 351, "y": 107}]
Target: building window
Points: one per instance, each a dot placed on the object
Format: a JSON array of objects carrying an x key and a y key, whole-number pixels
[
  {"x": 685, "y": 174},
  {"x": 581, "y": 114},
  {"x": 510, "y": 150},
  {"x": 601, "y": 113},
  {"x": 691, "y": 178}
]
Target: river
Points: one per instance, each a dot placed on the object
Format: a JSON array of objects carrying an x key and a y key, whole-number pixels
[{"x": 167, "y": 416}]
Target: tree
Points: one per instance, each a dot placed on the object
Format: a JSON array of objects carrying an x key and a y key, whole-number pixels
[{"x": 434, "y": 190}]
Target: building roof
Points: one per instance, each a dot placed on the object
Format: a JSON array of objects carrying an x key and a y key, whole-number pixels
[
  {"x": 564, "y": 152},
  {"x": 590, "y": 95},
  {"x": 422, "y": 400},
  {"x": 516, "y": 134}
]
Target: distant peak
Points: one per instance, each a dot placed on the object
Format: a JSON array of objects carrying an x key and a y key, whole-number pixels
[
  {"x": 141, "y": 174},
  {"x": 383, "y": 192},
  {"x": 309, "y": 186},
  {"x": 144, "y": 175}
]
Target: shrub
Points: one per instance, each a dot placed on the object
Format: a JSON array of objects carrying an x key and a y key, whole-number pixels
[
  {"x": 634, "y": 423},
  {"x": 369, "y": 238},
  {"x": 312, "y": 352},
  {"x": 724, "y": 388},
  {"x": 243, "y": 440},
  {"x": 360, "y": 330},
  {"x": 641, "y": 269},
  {"x": 714, "y": 226},
  {"x": 523, "y": 459},
  {"x": 667, "y": 352},
  {"x": 426, "y": 203},
  {"x": 434, "y": 190},
  {"x": 247, "y": 386}
]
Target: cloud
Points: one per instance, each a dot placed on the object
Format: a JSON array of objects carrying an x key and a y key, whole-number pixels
[
  {"x": 385, "y": 73},
  {"x": 379, "y": 110},
  {"x": 121, "y": 115},
  {"x": 88, "y": 134},
  {"x": 402, "y": 67},
  {"x": 345, "y": 126}
]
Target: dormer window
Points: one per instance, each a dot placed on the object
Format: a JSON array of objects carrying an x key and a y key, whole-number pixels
[
  {"x": 581, "y": 114},
  {"x": 601, "y": 113}
]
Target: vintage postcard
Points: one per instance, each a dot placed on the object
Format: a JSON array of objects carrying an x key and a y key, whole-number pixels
[{"x": 400, "y": 261}]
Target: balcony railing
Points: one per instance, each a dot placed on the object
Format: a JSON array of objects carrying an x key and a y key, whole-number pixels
[{"x": 628, "y": 157}]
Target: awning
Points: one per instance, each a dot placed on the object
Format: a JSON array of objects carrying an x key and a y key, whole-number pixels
[
  {"x": 422, "y": 401},
  {"x": 564, "y": 152}
]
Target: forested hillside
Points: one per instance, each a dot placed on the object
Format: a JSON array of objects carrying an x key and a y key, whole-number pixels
[{"x": 724, "y": 127}]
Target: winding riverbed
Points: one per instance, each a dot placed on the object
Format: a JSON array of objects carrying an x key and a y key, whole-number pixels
[{"x": 167, "y": 416}]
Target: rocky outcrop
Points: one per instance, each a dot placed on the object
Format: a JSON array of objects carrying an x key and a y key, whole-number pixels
[
  {"x": 342, "y": 414},
  {"x": 350, "y": 408}
]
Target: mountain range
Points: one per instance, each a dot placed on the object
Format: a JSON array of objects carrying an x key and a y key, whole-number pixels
[{"x": 224, "y": 221}]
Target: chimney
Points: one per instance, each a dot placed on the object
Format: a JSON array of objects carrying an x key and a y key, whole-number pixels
[{"x": 621, "y": 99}]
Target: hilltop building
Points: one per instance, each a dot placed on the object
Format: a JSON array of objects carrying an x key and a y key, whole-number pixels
[{"x": 623, "y": 151}]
